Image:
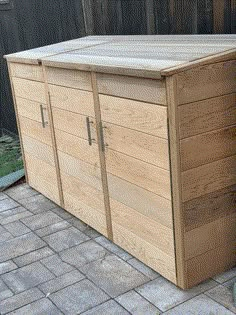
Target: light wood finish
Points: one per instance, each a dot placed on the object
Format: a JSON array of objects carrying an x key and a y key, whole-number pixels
[
  {"x": 207, "y": 115},
  {"x": 73, "y": 100},
  {"x": 31, "y": 109},
  {"x": 152, "y": 91},
  {"x": 214, "y": 145},
  {"x": 148, "y": 118},
  {"x": 30, "y": 90},
  {"x": 30, "y": 72},
  {"x": 71, "y": 78}
]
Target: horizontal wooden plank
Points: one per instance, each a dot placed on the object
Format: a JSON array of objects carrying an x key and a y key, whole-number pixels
[
  {"x": 206, "y": 81},
  {"x": 142, "y": 174},
  {"x": 146, "y": 90},
  {"x": 73, "y": 123},
  {"x": 207, "y": 115},
  {"x": 144, "y": 251},
  {"x": 89, "y": 215},
  {"x": 87, "y": 173},
  {"x": 148, "y": 148},
  {"x": 42, "y": 177},
  {"x": 210, "y": 264},
  {"x": 73, "y": 100},
  {"x": 209, "y": 207},
  {"x": 77, "y": 147},
  {"x": 35, "y": 130},
  {"x": 71, "y": 78},
  {"x": 38, "y": 149},
  {"x": 210, "y": 146},
  {"x": 31, "y": 90},
  {"x": 149, "y": 204},
  {"x": 215, "y": 234},
  {"x": 31, "y": 72},
  {"x": 208, "y": 178},
  {"x": 145, "y": 117},
  {"x": 84, "y": 193},
  {"x": 149, "y": 230},
  {"x": 30, "y": 109}
]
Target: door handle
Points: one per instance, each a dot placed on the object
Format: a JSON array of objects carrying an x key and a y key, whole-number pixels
[
  {"x": 103, "y": 145},
  {"x": 44, "y": 123},
  {"x": 88, "y": 122}
]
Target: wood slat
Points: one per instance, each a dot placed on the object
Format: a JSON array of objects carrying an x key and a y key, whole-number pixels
[
  {"x": 206, "y": 81},
  {"x": 209, "y": 207},
  {"x": 30, "y": 72},
  {"x": 210, "y": 264},
  {"x": 35, "y": 130},
  {"x": 149, "y": 230},
  {"x": 73, "y": 100},
  {"x": 146, "y": 252},
  {"x": 208, "y": 178},
  {"x": 207, "y": 115},
  {"x": 31, "y": 90},
  {"x": 211, "y": 146},
  {"x": 145, "y": 117},
  {"x": 144, "y": 175},
  {"x": 146, "y": 90},
  {"x": 215, "y": 234},
  {"x": 30, "y": 109},
  {"x": 71, "y": 78},
  {"x": 148, "y": 148},
  {"x": 72, "y": 123}
]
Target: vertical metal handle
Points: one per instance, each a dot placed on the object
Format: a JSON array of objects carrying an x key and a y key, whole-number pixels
[
  {"x": 89, "y": 131},
  {"x": 44, "y": 123},
  {"x": 102, "y": 136}
]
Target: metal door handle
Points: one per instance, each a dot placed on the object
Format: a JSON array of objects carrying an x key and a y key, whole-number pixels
[
  {"x": 103, "y": 145},
  {"x": 88, "y": 122},
  {"x": 44, "y": 123}
]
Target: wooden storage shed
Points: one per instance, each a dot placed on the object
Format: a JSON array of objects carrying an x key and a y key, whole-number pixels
[{"x": 135, "y": 135}]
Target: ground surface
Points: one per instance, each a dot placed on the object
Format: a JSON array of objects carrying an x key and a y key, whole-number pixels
[{"x": 52, "y": 263}]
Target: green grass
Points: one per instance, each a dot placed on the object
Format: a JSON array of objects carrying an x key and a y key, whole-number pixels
[{"x": 10, "y": 155}]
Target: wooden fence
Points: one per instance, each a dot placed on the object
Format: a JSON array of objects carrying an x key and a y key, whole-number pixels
[{"x": 27, "y": 24}]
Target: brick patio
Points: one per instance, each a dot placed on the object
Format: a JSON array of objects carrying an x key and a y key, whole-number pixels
[{"x": 52, "y": 263}]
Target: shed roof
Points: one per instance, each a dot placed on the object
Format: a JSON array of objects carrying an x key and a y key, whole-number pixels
[{"x": 144, "y": 55}]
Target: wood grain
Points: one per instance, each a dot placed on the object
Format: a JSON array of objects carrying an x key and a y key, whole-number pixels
[
  {"x": 148, "y": 118},
  {"x": 151, "y": 91},
  {"x": 30, "y": 109},
  {"x": 210, "y": 147},
  {"x": 30, "y": 72},
  {"x": 207, "y": 115},
  {"x": 148, "y": 148},
  {"x": 210, "y": 207},
  {"x": 208, "y": 178},
  {"x": 73, "y": 100}
]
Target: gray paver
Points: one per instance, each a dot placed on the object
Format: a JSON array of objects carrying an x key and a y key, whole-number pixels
[
  {"x": 53, "y": 228},
  {"x": 150, "y": 273},
  {"x": 65, "y": 215},
  {"x": 7, "y": 204},
  {"x": 27, "y": 277},
  {"x": 84, "y": 253},
  {"x": 17, "y": 228},
  {"x": 113, "y": 248},
  {"x": 37, "y": 204},
  {"x": 78, "y": 223},
  {"x": 33, "y": 256},
  {"x": 15, "y": 217},
  {"x": 7, "y": 266},
  {"x": 5, "y": 292},
  {"x": 113, "y": 275},
  {"x": 2, "y": 196},
  {"x": 40, "y": 307},
  {"x": 41, "y": 220},
  {"x": 225, "y": 276},
  {"x": 56, "y": 265},
  {"x": 61, "y": 282},
  {"x": 65, "y": 239},
  {"x": 90, "y": 232},
  {"x": 200, "y": 305},
  {"x": 11, "y": 212},
  {"x": 109, "y": 307},
  {"x": 19, "y": 246},
  {"x": 5, "y": 237},
  {"x": 78, "y": 298},
  {"x": 20, "y": 300},
  {"x": 21, "y": 191},
  {"x": 165, "y": 295},
  {"x": 136, "y": 304}
]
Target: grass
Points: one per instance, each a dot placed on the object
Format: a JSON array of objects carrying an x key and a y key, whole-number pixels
[{"x": 10, "y": 155}]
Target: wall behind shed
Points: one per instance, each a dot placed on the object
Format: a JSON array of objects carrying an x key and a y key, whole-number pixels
[{"x": 26, "y": 24}]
